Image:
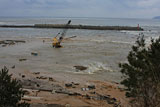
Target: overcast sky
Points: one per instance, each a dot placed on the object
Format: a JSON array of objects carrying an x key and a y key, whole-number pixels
[{"x": 81, "y": 8}]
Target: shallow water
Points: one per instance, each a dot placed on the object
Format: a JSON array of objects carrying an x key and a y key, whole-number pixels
[{"x": 100, "y": 51}]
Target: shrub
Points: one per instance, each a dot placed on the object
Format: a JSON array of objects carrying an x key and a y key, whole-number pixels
[
  {"x": 142, "y": 73},
  {"x": 10, "y": 91}
]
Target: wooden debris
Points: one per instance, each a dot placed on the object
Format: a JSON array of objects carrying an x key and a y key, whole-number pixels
[{"x": 80, "y": 67}]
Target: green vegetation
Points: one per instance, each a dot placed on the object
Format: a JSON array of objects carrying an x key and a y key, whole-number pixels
[
  {"x": 142, "y": 74},
  {"x": 10, "y": 91}
]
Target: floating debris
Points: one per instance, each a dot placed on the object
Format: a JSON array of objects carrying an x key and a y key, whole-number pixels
[
  {"x": 82, "y": 68},
  {"x": 22, "y": 59},
  {"x": 4, "y": 43},
  {"x": 34, "y": 53}
]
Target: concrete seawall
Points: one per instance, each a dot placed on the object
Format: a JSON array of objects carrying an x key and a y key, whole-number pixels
[{"x": 61, "y": 26}]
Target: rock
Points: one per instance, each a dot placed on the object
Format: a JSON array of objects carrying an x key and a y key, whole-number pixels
[
  {"x": 13, "y": 67},
  {"x": 80, "y": 68},
  {"x": 4, "y": 45},
  {"x": 10, "y": 42},
  {"x": 41, "y": 77},
  {"x": 51, "y": 79},
  {"x": 22, "y": 59},
  {"x": 68, "y": 85},
  {"x": 37, "y": 85},
  {"x": 75, "y": 83},
  {"x": 36, "y": 73},
  {"x": 93, "y": 92},
  {"x": 23, "y": 76},
  {"x": 73, "y": 87},
  {"x": 74, "y": 94},
  {"x": 91, "y": 87},
  {"x": 34, "y": 53},
  {"x": 16, "y": 41}
]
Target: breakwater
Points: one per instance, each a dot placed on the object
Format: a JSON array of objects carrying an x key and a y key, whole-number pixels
[{"x": 62, "y": 26}]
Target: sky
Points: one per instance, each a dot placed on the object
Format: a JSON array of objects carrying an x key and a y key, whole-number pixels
[{"x": 80, "y": 8}]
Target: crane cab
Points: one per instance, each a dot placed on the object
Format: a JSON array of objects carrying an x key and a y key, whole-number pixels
[{"x": 56, "y": 43}]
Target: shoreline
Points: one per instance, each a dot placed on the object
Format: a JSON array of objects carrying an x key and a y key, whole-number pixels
[{"x": 46, "y": 88}]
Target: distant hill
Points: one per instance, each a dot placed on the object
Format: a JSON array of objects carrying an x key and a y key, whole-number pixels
[{"x": 157, "y": 17}]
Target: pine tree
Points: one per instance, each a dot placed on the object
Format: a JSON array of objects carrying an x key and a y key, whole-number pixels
[
  {"x": 142, "y": 73},
  {"x": 10, "y": 91}
]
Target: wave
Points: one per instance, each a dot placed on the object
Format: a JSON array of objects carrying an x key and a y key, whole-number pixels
[
  {"x": 98, "y": 40},
  {"x": 94, "y": 67},
  {"x": 132, "y": 32},
  {"x": 2, "y": 23},
  {"x": 148, "y": 40},
  {"x": 122, "y": 42},
  {"x": 44, "y": 37}
]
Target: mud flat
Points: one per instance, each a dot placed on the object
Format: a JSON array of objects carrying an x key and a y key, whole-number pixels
[{"x": 61, "y": 26}]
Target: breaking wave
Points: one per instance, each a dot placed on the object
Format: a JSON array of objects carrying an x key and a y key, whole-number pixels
[
  {"x": 94, "y": 67},
  {"x": 148, "y": 40},
  {"x": 122, "y": 42}
]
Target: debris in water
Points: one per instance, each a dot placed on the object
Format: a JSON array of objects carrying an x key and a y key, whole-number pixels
[
  {"x": 4, "y": 43},
  {"x": 22, "y": 59},
  {"x": 34, "y": 53},
  {"x": 82, "y": 68},
  {"x": 13, "y": 67}
]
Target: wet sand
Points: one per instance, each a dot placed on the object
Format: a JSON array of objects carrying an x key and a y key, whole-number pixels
[{"x": 41, "y": 89}]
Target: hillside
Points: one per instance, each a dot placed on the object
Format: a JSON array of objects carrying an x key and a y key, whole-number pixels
[{"x": 156, "y": 17}]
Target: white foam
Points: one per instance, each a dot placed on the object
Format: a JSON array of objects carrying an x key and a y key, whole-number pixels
[
  {"x": 98, "y": 40},
  {"x": 94, "y": 67},
  {"x": 97, "y": 67},
  {"x": 122, "y": 42},
  {"x": 148, "y": 40},
  {"x": 131, "y": 32}
]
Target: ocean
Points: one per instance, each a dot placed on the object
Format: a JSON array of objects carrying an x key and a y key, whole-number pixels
[{"x": 99, "y": 50}]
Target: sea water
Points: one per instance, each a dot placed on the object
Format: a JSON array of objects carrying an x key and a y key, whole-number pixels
[{"x": 99, "y": 50}]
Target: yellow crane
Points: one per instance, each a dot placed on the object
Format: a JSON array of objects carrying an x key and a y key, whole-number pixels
[{"x": 57, "y": 42}]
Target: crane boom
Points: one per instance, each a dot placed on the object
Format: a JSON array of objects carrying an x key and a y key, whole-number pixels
[
  {"x": 64, "y": 32},
  {"x": 56, "y": 43}
]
